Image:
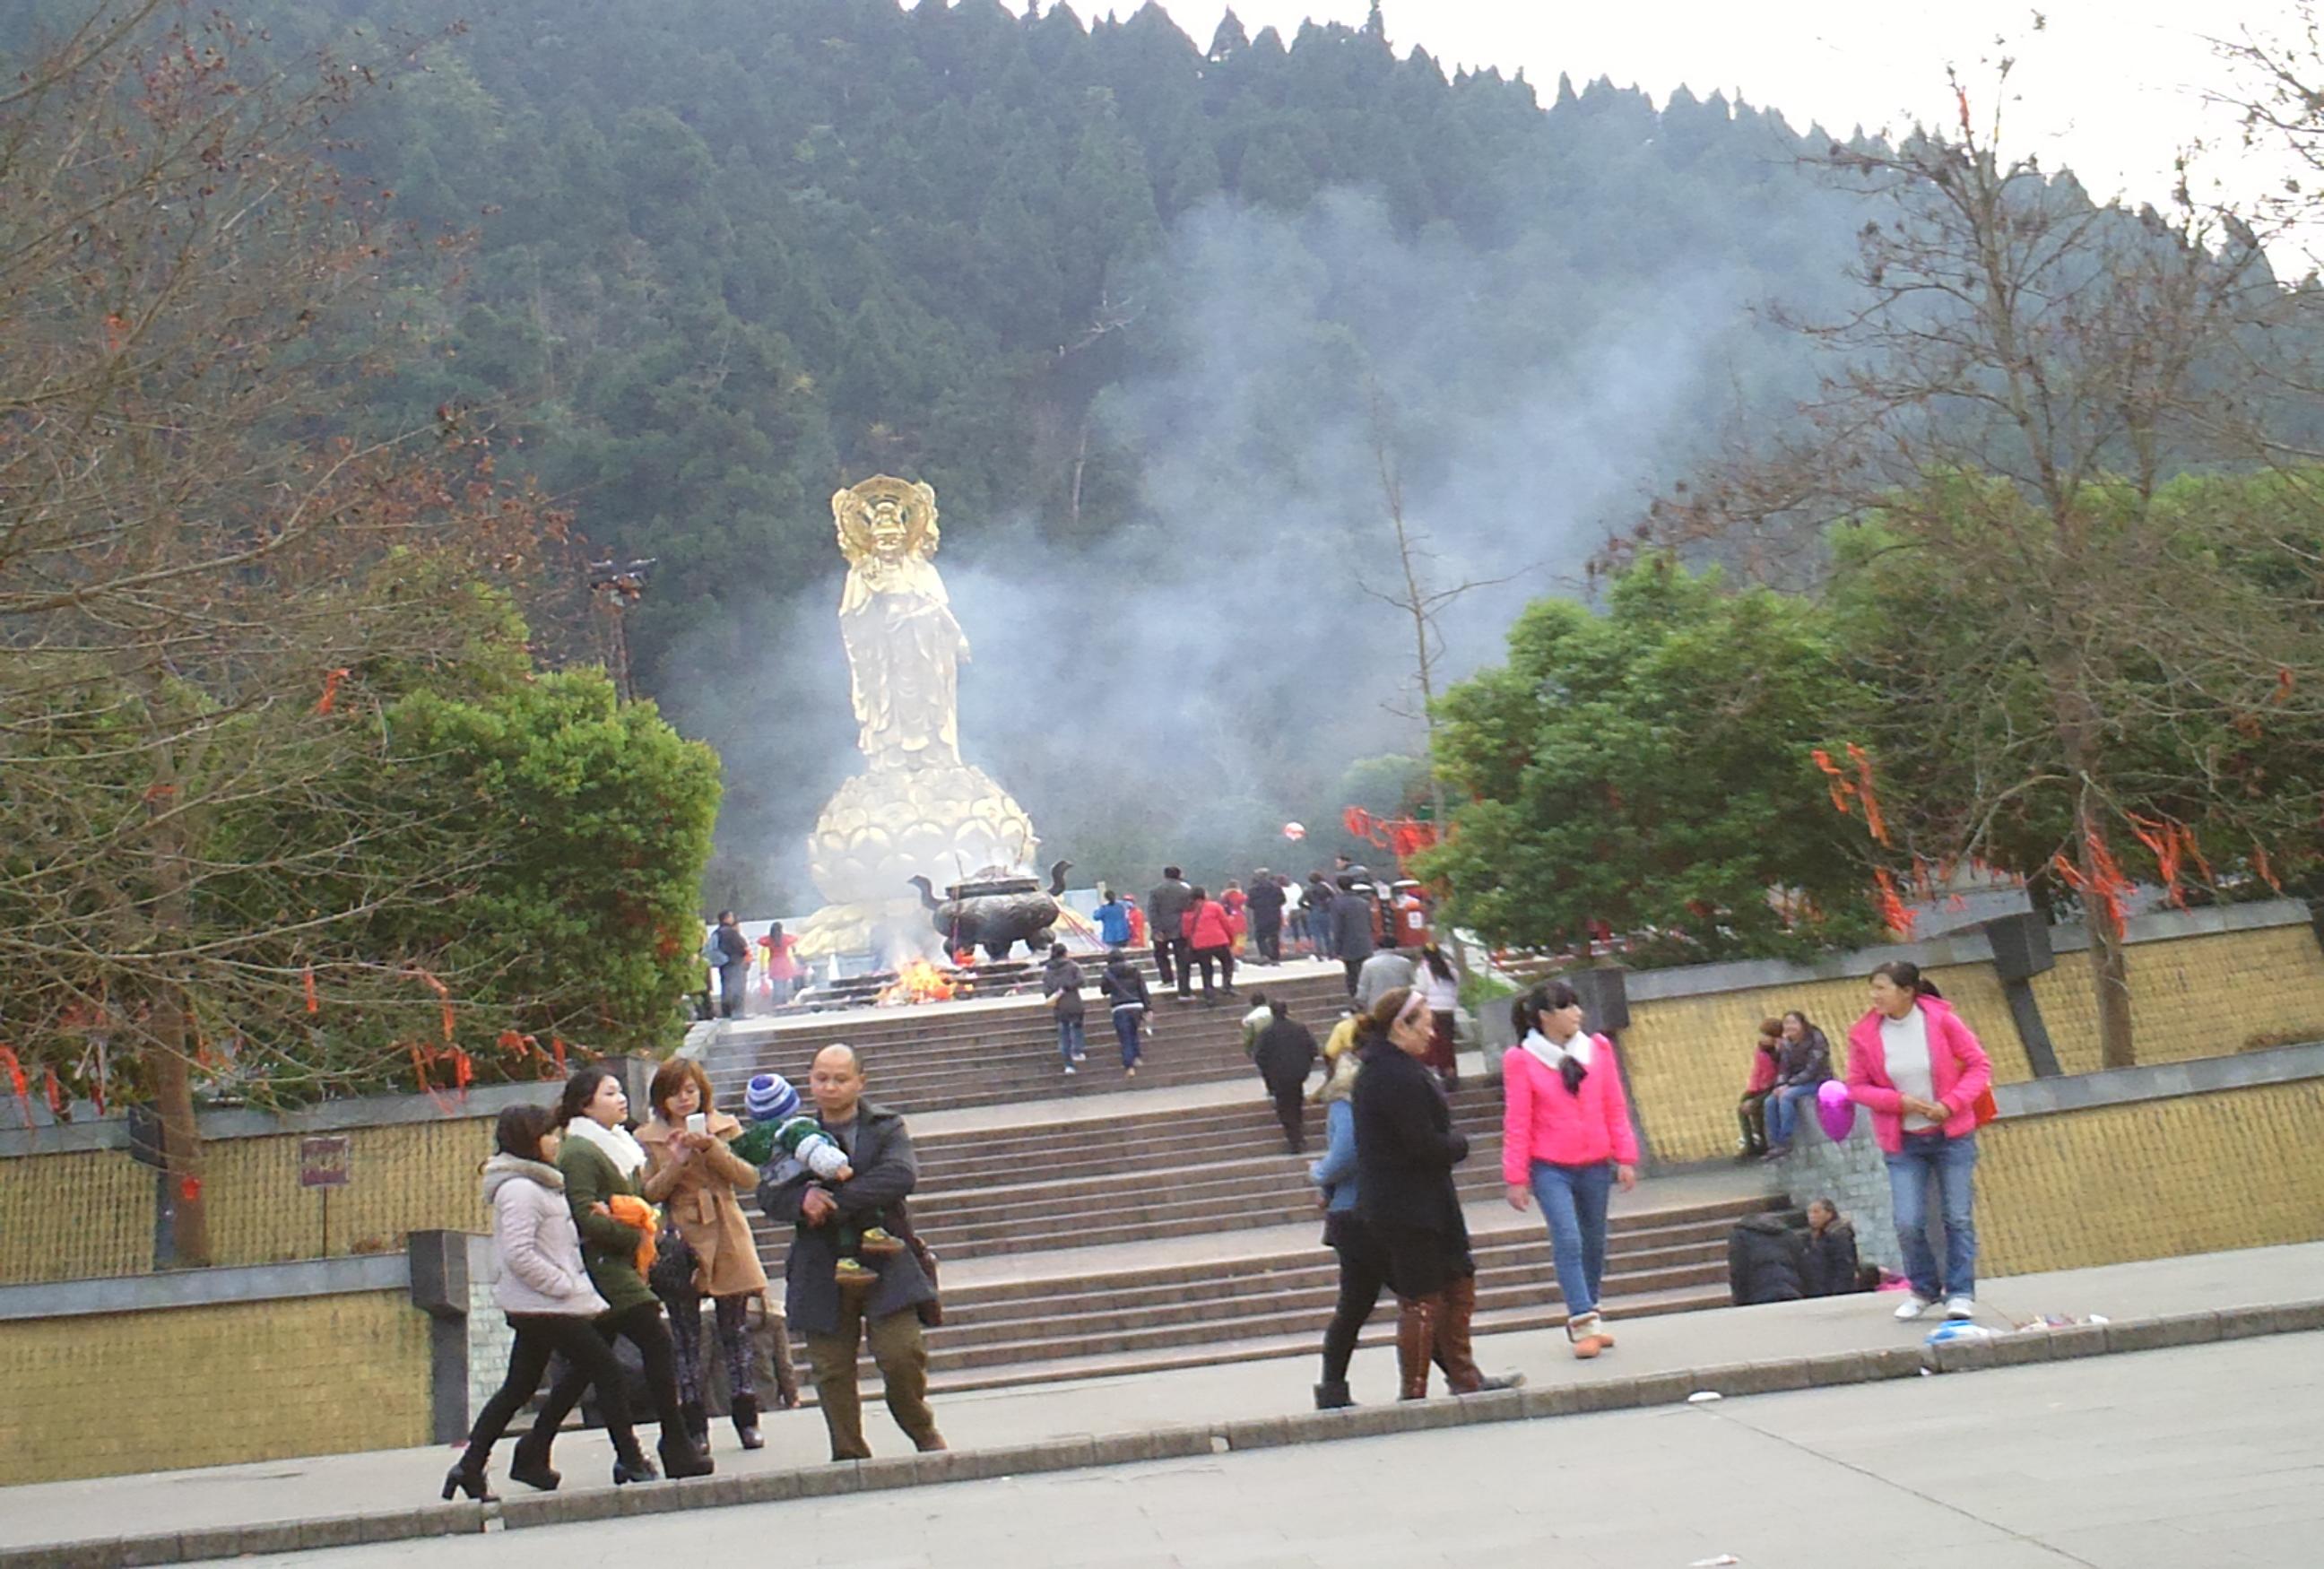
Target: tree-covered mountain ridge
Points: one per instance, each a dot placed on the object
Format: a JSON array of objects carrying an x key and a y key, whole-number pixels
[{"x": 1146, "y": 313}]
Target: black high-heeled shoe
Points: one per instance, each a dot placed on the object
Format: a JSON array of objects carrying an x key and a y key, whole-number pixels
[
  {"x": 460, "y": 1479},
  {"x": 529, "y": 1466},
  {"x": 680, "y": 1460},
  {"x": 639, "y": 1469}
]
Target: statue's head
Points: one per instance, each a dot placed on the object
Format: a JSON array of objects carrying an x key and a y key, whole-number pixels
[{"x": 886, "y": 519}]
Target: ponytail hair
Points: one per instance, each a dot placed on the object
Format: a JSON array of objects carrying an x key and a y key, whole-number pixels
[{"x": 1907, "y": 976}]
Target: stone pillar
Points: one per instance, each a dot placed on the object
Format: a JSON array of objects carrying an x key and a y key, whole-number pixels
[
  {"x": 439, "y": 1288},
  {"x": 489, "y": 1338},
  {"x": 1853, "y": 1175}
]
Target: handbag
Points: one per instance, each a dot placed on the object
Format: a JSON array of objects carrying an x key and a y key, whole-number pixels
[
  {"x": 1985, "y": 1107},
  {"x": 931, "y": 1311}
]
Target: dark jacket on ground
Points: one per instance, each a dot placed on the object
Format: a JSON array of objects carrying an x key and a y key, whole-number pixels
[
  {"x": 1807, "y": 1061},
  {"x": 1406, "y": 1145},
  {"x": 1124, "y": 983},
  {"x": 886, "y": 1171},
  {"x": 1767, "y": 1261},
  {"x": 1267, "y": 902},
  {"x": 1832, "y": 1260},
  {"x": 1062, "y": 979},
  {"x": 1352, "y": 924},
  {"x": 1285, "y": 1054},
  {"x": 1165, "y": 908}
]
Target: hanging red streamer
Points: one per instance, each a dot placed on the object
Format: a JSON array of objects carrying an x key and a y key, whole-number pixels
[
  {"x": 1837, "y": 781},
  {"x": 443, "y": 995},
  {"x": 2105, "y": 890},
  {"x": 55, "y": 1092},
  {"x": 556, "y": 1044},
  {"x": 306, "y": 985},
  {"x": 1893, "y": 910},
  {"x": 2261, "y": 864},
  {"x": 1873, "y": 821},
  {"x": 16, "y": 1083},
  {"x": 331, "y": 691}
]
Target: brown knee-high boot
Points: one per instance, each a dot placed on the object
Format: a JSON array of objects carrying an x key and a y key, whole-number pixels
[
  {"x": 1416, "y": 1341},
  {"x": 1452, "y": 1350}
]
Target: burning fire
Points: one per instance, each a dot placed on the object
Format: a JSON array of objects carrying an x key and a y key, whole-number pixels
[{"x": 917, "y": 982}]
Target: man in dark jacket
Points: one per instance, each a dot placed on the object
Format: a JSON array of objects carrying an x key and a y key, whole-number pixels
[
  {"x": 1351, "y": 926},
  {"x": 1166, "y": 920},
  {"x": 1766, "y": 1261},
  {"x": 1267, "y": 902},
  {"x": 1316, "y": 901},
  {"x": 734, "y": 951},
  {"x": 1286, "y": 1053},
  {"x": 887, "y": 1313}
]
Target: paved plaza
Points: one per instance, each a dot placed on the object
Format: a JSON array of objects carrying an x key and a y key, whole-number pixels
[{"x": 2206, "y": 1457}]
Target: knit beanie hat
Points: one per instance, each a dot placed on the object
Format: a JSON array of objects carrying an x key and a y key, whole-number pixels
[{"x": 769, "y": 1098}]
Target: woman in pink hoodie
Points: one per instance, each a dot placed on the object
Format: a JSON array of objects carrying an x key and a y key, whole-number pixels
[
  {"x": 1920, "y": 1071},
  {"x": 1566, "y": 1140}
]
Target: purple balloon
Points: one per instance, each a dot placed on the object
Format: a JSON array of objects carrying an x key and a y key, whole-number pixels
[{"x": 1835, "y": 1111}]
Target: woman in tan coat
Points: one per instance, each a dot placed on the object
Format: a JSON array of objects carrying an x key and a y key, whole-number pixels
[{"x": 693, "y": 1175}]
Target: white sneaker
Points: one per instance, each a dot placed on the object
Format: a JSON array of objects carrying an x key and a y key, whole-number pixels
[
  {"x": 1960, "y": 1307},
  {"x": 1913, "y": 1307},
  {"x": 1069, "y": 1067}
]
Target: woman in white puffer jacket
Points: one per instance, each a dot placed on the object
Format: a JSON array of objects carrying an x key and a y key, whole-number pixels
[{"x": 544, "y": 1289}]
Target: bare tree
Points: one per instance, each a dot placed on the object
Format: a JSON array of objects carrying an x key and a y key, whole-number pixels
[
  {"x": 209, "y": 585},
  {"x": 2067, "y": 650}
]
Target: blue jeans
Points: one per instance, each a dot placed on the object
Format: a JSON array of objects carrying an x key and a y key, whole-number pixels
[
  {"x": 1953, "y": 1163},
  {"x": 1783, "y": 1113},
  {"x": 1071, "y": 1042},
  {"x": 1125, "y": 1031},
  {"x": 1572, "y": 1200}
]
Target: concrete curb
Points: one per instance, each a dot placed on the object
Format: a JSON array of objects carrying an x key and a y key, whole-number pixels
[{"x": 1731, "y": 1379}]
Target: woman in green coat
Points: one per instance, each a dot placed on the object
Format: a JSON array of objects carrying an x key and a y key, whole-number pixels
[{"x": 601, "y": 1161}]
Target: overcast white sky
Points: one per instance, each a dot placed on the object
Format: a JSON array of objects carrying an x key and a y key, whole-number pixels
[{"x": 2111, "y": 88}]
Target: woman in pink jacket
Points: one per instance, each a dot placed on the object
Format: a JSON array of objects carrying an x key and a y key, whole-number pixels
[
  {"x": 1566, "y": 1140},
  {"x": 1210, "y": 937},
  {"x": 1918, "y": 1069}
]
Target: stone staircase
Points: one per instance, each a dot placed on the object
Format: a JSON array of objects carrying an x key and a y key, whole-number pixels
[
  {"x": 1122, "y": 1226},
  {"x": 934, "y": 1057}
]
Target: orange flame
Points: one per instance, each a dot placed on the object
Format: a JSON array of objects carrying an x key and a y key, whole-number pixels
[{"x": 917, "y": 982}]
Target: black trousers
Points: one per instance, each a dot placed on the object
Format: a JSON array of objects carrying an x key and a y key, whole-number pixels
[
  {"x": 1211, "y": 960},
  {"x": 1170, "y": 962},
  {"x": 644, "y": 1328},
  {"x": 1291, "y": 1111},
  {"x": 538, "y": 1337},
  {"x": 1362, "y": 1278},
  {"x": 1353, "y": 966},
  {"x": 1269, "y": 941}
]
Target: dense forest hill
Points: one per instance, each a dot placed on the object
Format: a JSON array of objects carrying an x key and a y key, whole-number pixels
[{"x": 1147, "y": 314}]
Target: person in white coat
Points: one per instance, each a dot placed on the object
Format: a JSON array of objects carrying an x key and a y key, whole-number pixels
[{"x": 544, "y": 1289}]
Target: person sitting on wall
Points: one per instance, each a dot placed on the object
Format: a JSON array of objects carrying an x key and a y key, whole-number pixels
[
  {"x": 1805, "y": 1063},
  {"x": 1751, "y": 1112},
  {"x": 1833, "y": 1267}
]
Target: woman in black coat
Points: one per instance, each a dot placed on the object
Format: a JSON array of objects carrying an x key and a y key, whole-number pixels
[{"x": 1405, "y": 1150}]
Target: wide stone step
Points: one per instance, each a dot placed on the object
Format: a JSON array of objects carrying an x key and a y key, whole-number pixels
[
  {"x": 1309, "y": 1291},
  {"x": 1062, "y": 1298},
  {"x": 1309, "y": 1313}
]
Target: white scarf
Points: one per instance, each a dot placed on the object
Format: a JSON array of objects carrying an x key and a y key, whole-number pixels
[
  {"x": 1549, "y": 1053},
  {"x": 620, "y": 1146}
]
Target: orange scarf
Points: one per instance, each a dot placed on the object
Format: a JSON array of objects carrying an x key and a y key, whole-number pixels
[{"x": 631, "y": 1211}]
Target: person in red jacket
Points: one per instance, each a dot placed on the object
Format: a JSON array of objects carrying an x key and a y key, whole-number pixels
[
  {"x": 1751, "y": 1112},
  {"x": 1920, "y": 1073},
  {"x": 1566, "y": 1140},
  {"x": 1210, "y": 939}
]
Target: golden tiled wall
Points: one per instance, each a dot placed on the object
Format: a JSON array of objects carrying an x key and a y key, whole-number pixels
[
  {"x": 90, "y": 1213},
  {"x": 161, "y": 1390},
  {"x": 2232, "y": 1169},
  {"x": 2210, "y": 996},
  {"x": 68, "y": 1216},
  {"x": 1689, "y": 1056}
]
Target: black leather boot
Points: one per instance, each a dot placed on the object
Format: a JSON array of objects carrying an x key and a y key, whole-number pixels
[
  {"x": 1332, "y": 1395},
  {"x": 697, "y": 1424},
  {"x": 680, "y": 1458},
  {"x": 746, "y": 1422}
]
